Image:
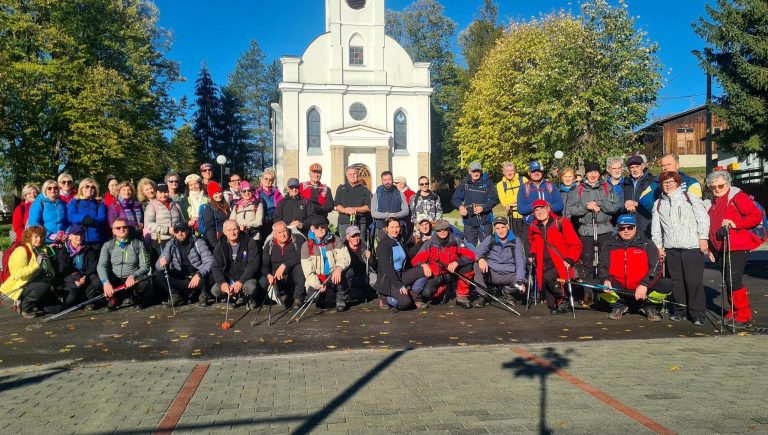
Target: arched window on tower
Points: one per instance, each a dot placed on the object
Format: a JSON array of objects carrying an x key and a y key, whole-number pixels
[
  {"x": 356, "y": 51},
  {"x": 313, "y": 130},
  {"x": 401, "y": 131}
]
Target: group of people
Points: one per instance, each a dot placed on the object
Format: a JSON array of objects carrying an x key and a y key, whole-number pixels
[{"x": 630, "y": 238}]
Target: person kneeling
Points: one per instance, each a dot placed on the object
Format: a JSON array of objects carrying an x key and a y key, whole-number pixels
[
  {"x": 628, "y": 262},
  {"x": 393, "y": 279},
  {"x": 501, "y": 262},
  {"x": 124, "y": 260},
  {"x": 281, "y": 264},
  {"x": 77, "y": 268},
  {"x": 324, "y": 258},
  {"x": 445, "y": 255},
  {"x": 187, "y": 261},
  {"x": 235, "y": 265}
]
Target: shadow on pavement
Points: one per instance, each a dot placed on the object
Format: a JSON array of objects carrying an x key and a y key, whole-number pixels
[
  {"x": 6, "y": 384},
  {"x": 528, "y": 367}
]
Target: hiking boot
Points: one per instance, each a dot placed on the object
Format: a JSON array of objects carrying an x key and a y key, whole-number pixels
[
  {"x": 112, "y": 304},
  {"x": 479, "y": 302},
  {"x": 556, "y": 312},
  {"x": 30, "y": 314},
  {"x": 508, "y": 293},
  {"x": 250, "y": 304},
  {"x": 564, "y": 308},
  {"x": 89, "y": 307},
  {"x": 463, "y": 302},
  {"x": 341, "y": 306},
  {"x": 297, "y": 303},
  {"x": 202, "y": 300},
  {"x": 652, "y": 314},
  {"x": 383, "y": 305},
  {"x": 617, "y": 313},
  {"x": 739, "y": 325}
]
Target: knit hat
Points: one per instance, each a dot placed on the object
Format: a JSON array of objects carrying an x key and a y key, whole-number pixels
[
  {"x": 591, "y": 166},
  {"x": 213, "y": 187},
  {"x": 245, "y": 185},
  {"x": 191, "y": 178}
]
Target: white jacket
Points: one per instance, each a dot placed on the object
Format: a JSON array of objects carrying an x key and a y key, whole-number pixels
[{"x": 679, "y": 221}]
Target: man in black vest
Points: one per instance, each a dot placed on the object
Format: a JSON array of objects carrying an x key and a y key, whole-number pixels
[
  {"x": 388, "y": 201},
  {"x": 353, "y": 201},
  {"x": 475, "y": 198}
]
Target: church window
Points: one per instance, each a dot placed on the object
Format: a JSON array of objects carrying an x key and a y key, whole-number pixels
[
  {"x": 313, "y": 130},
  {"x": 356, "y": 4},
  {"x": 401, "y": 131},
  {"x": 356, "y": 56},
  {"x": 357, "y": 111}
]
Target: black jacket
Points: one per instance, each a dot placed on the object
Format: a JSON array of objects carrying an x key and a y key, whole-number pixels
[
  {"x": 274, "y": 256},
  {"x": 294, "y": 208},
  {"x": 65, "y": 265},
  {"x": 214, "y": 223},
  {"x": 387, "y": 280},
  {"x": 245, "y": 265}
]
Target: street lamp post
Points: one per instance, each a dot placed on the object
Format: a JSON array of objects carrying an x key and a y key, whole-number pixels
[
  {"x": 710, "y": 163},
  {"x": 221, "y": 160}
]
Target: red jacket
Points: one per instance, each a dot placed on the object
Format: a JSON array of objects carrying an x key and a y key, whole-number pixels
[
  {"x": 20, "y": 218},
  {"x": 562, "y": 237},
  {"x": 738, "y": 207},
  {"x": 628, "y": 263},
  {"x": 447, "y": 252}
]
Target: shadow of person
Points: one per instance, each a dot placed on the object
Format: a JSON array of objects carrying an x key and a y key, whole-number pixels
[{"x": 542, "y": 367}]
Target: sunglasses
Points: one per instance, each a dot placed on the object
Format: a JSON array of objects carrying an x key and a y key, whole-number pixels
[
  {"x": 173, "y": 181},
  {"x": 52, "y": 188},
  {"x": 246, "y": 190},
  {"x": 319, "y": 227},
  {"x": 89, "y": 187},
  {"x": 206, "y": 170},
  {"x": 626, "y": 227},
  {"x": 122, "y": 228},
  {"x": 444, "y": 230},
  {"x": 717, "y": 187},
  {"x": 423, "y": 184},
  {"x": 65, "y": 182}
]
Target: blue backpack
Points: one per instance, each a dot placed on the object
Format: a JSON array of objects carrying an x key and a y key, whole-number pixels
[{"x": 761, "y": 230}]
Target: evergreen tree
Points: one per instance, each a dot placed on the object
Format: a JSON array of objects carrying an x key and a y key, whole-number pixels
[
  {"x": 207, "y": 118},
  {"x": 232, "y": 135},
  {"x": 182, "y": 151},
  {"x": 480, "y": 36},
  {"x": 737, "y": 57}
]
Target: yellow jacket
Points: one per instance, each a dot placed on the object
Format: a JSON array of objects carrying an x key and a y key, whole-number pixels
[
  {"x": 507, "y": 191},
  {"x": 23, "y": 268}
]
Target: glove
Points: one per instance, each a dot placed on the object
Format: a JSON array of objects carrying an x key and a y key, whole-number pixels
[
  {"x": 722, "y": 232},
  {"x": 88, "y": 221}
]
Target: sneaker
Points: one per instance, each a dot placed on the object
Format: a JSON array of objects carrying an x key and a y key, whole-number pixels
[
  {"x": 463, "y": 302},
  {"x": 383, "y": 305},
  {"x": 556, "y": 312},
  {"x": 112, "y": 304},
  {"x": 676, "y": 318},
  {"x": 479, "y": 302},
  {"x": 421, "y": 305},
  {"x": 29, "y": 314},
  {"x": 617, "y": 313},
  {"x": 89, "y": 307},
  {"x": 341, "y": 306},
  {"x": 652, "y": 314},
  {"x": 297, "y": 303},
  {"x": 698, "y": 322}
]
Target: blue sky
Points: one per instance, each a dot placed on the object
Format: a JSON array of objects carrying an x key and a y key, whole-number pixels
[{"x": 218, "y": 32}]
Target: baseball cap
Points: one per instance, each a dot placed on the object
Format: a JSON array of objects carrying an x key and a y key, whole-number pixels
[
  {"x": 293, "y": 182},
  {"x": 441, "y": 224},
  {"x": 540, "y": 203},
  {"x": 75, "y": 229},
  {"x": 315, "y": 167},
  {"x": 352, "y": 230},
  {"x": 180, "y": 226},
  {"x": 475, "y": 166},
  {"x": 626, "y": 219},
  {"x": 162, "y": 187},
  {"x": 535, "y": 166},
  {"x": 634, "y": 160},
  {"x": 206, "y": 166},
  {"x": 500, "y": 220},
  {"x": 400, "y": 179}
]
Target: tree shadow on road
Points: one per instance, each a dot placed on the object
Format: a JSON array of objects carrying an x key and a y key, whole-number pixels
[
  {"x": 6, "y": 382},
  {"x": 532, "y": 366}
]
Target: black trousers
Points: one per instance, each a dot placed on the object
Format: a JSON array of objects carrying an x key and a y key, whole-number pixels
[
  {"x": 291, "y": 285},
  {"x": 338, "y": 292},
  {"x": 75, "y": 294},
  {"x": 408, "y": 278},
  {"x": 553, "y": 290},
  {"x": 475, "y": 233},
  {"x": 38, "y": 296},
  {"x": 588, "y": 255},
  {"x": 179, "y": 284},
  {"x": 139, "y": 293},
  {"x": 686, "y": 270},
  {"x": 734, "y": 272},
  {"x": 433, "y": 283}
]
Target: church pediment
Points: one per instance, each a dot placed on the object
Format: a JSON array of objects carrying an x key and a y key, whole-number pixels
[{"x": 359, "y": 133}]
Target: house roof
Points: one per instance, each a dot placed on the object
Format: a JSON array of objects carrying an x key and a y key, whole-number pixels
[{"x": 675, "y": 116}]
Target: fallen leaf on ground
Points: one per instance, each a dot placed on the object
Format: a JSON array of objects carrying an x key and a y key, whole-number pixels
[{"x": 330, "y": 346}]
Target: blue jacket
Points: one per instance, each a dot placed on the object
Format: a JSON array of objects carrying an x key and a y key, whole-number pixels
[
  {"x": 482, "y": 192},
  {"x": 645, "y": 190},
  {"x": 505, "y": 256},
  {"x": 79, "y": 209},
  {"x": 50, "y": 214},
  {"x": 530, "y": 192}
]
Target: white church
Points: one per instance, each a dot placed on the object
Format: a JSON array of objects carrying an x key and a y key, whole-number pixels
[{"x": 354, "y": 97}]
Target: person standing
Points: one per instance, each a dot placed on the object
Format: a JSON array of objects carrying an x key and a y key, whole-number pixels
[
  {"x": 353, "y": 200},
  {"x": 127, "y": 208},
  {"x": 146, "y": 190},
  {"x": 388, "y": 202},
  {"x": 507, "y": 190},
  {"x": 88, "y": 212},
  {"x": 112, "y": 183},
  {"x": 615, "y": 177},
  {"x": 248, "y": 212},
  {"x": 21, "y": 214},
  {"x": 425, "y": 204},
  {"x": 591, "y": 203},
  {"x": 50, "y": 212},
  {"x": 160, "y": 217},
  {"x": 640, "y": 190},
  {"x": 269, "y": 194},
  {"x": 402, "y": 185},
  {"x": 294, "y": 210},
  {"x": 318, "y": 194},
  {"x": 232, "y": 194},
  {"x": 537, "y": 188},
  {"x": 214, "y": 214},
  {"x": 567, "y": 183},
  {"x": 680, "y": 229},
  {"x": 475, "y": 198},
  {"x": 193, "y": 201},
  {"x": 67, "y": 189},
  {"x": 670, "y": 162},
  {"x": 173, "y": 181},
  {"x": 206, "y": 173},
  {"x": 732, "y": 215}
]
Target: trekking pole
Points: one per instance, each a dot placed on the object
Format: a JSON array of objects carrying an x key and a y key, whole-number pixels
[
  {"x": 225, "y": 324},
  {"x": 722, "y": 291},
  {"x": 652, "y": 296},
  {"x": 530, "y": 286},
  {"x": 82, "y": 304},
  {"x": 305, "y": 307},
  {"x": 570, "y": 288},
  {"x": 730, "y": 278},
  {"x": 481, "y": 289},
  {"x": 171, "y": 302},
  {"x": 595, "y": 243}
]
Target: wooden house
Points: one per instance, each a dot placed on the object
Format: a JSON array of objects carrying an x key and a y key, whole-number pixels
[{"x": 683, "y": 133}]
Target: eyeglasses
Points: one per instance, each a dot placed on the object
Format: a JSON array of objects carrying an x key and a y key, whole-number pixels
[
  {"x": 423, "y": 184},
  {"x": 442, "y": 230},
  {"x": 268, "y": 179},
  {"x": 246, "y": 190},
  {"x": 668, "y": 182},
  {"x": 717, "y": 187},
  {"x": 122, "y": 228},
  {"x": 206, "y": 170},
  {"x": 65, "y": 182},
  {"x": 52, "y": 188},
  {"x": 234, "y": 180},
  {"x": 173, "y": 181},
  {"x": 625, "y": 227},
  {"x": 319, "y": 227}
]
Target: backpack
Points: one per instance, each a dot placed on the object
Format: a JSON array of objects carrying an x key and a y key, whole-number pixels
[
  {"x": 201, "y": 220},
  {"x": 605, "y": 189},
  {"x": 761, "y": 230},
  {"x": 527, "y": 188},
  {"x": 5, "y": 272},
  {"x": 687, "y": 198}
]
